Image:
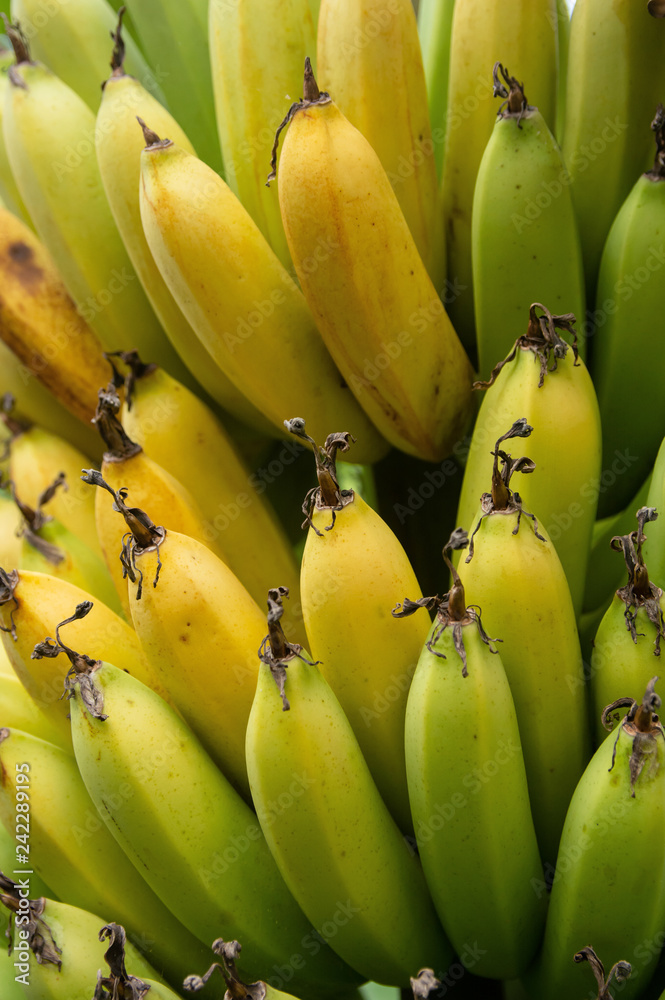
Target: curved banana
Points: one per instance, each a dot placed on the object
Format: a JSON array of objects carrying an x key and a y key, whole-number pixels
[
  {"x": 435, "y": 23},
  {"x": 40, "y": 322},
  {"x": 158, "y": 412},
  {"x": 353, "y": 571},
  {"x": 630, "y": 633},
  {"x": 237, "y": 295},
  {"x": 72, "y": 40},
  {"x": 339, "y": 850},
  {"x": 71, "y": 847},
  {"x": 378, "y": 311},
  {"x": 369, "y": 58},
  {"x": 616, "y": 76},
  {"x": 524, "y": 242},
  {"x": 612, "y": 849},
  {"x": 627, "y": 302},
  {"x": 513, "y": 573},
  {"x": 544, "y": 379},
  {"x": 20, "y": 711},
  {"x": 468, "y": 788},
  {"x": 524, "y": 37},
  {"x": 8, "y": 189},
  {"x": 257, "y": 50},
  {"x": 197, "y": 843}
]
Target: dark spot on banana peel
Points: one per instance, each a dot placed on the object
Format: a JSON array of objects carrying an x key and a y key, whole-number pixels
[{"x": 21, "y": 262}]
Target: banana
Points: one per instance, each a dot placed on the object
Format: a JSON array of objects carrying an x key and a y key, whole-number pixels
[
  {"x": 377, "y": 310},
  {"x": 50, "y": 136},
  {"x": 630, "y": 633},
  {"x": 40, "y": 322},
  {"x": 236, "y": 294},
  {"x": 435, "y": 22},
  {"x": 72, "y": 40},
  {"x": 544, "y": 379},
  {"x": 654, "y": 546},
  {"x": 563, "y": 46},
  {"x": 616, "y": 76},
  {"x": 524, "y": 241},
  {"x": 612, "y": 849},
  {"x": 197, "y": 843},
  {"x": 627, "y": 304},
  {"x": 369, "y": 59},
  {"x": 10, "y": 526},
  {"x": 71, "y": 847},
  {"x": 468, "y": 787},
  {"x": 159, "y": 411},
  {"x": 353, "y": 571},
  {"x": 336, "y": 845},
  {"x": 228, "y": 951},
  {"x": 524, "y": 37},
  {"x": 20, "y": 711},
  {"x": 8, "y": 189},
  {"x": 257, "y": 50},
  {"x": 513, "y": 573}
]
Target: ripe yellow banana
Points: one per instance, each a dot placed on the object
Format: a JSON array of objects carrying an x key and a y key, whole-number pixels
[
  {"x": 20, "y": 711},
  {"x": 8, "y": 189},
  {"x": 524, "y": 242},
  {"x": 435, "y": 22},
  {"x": 10, "y": 524},
  {"x": 369, "y": 58},
  {"x": 468, "y": 788},
  {"x": 237, "y": 295},
  {"x": 513, "y": 573},
  {"x": 257, "y": 50},
  {"x": 338, "y": 848},
  {"x": 371, "y": 296},
  {"x": 354, "y": 570},
  {"x": 544, "y": 379},
  {"x": 70, "y": 846},
  {"x": 524, "y": 37}
]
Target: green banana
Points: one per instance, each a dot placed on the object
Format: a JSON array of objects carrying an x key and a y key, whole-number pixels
[
  {"x": 563, "y": 46},
  {"x": 524, "y": 241},
  {"x": 20, "y": 711},
  {"x": 435, "y": 23},
  {"x": 336, "y": 845},
  {"x": 513, "y": 573},
  {"x": 628, "y": 303},
  {"x": 468, "y": 788},
  {"x": 611, "y": 849},
  {"x": 654, "y": 547}
]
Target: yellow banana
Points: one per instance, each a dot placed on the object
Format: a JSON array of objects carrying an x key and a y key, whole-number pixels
[
  {"x": 468, "y": 788},
  {"x": 20, "y": 711},
  {"x": 237, "y": 295},
  {"x": 8, "y": 189},
  {"x": 354, "y": 570},
  {"x": 257, "y": 50},
  {"x": 336, "y": 845},
  {"x": 375, "y": 304},
  {"x": 369, "y": 59},
  {"x": 159, "y": 411},
  {"x": 10, "y": 525},
  {"x": 524, "y": 37},
  {"x": 514, "y": 574}
]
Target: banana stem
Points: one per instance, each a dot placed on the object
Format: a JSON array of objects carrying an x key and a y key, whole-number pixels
[
  {"x": 137, "y": 370},
  {"x": 19, "y": 44},
  {"x": 235, "y": 988},
  {"x": 38, "y": 934},
  {"x": 515, "y": 104},
  {"x": 328, "y": 495},
  {"x": 119, "y": 446},
  {"x": 657, "y": 173},
  {"x": 118, "y": 54}
]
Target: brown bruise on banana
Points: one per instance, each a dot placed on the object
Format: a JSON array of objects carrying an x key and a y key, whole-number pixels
[
  {"x": 276, "y": 652},
  {"x": 502, "y": 499},
  {"x": 451, "y": 609},
  {"x": 328, "y": 495},
  {"x": 515, "y": 104},
  {"x": 657, "y": 172},
  {"x": 642, "y": 725},
  {"x": 38, "y": 934},
  {"x": 236, "y": 989},
  {"x": 619, "y": 972},
  {"x": 311, "y": 96},
  {"x": 117, "y": 985},
  {"x": 639, "y": 592}
]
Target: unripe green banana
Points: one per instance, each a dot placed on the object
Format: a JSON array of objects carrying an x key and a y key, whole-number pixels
[
  {"x": 513, "y": 573},
  {"x": 524, "y": 241},
  {"x": 20, "y": 711},
  {"x": 468, "y": 788},
  {"x": 654, "y": 546},
  {"x": 435, "y": 23},
  {"x": 339, "y": 850}
]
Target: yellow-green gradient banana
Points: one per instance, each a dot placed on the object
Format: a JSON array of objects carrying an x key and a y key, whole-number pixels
[
  {"x": 71, "y": 847},
  {"x": 544, "y": 379},
  {"x": 8, "y": 189},
  {"x": 228, "y": 952},
  {"x": 524, "y": 241},
  {"x": 523, "y": 36},
  {"x": 612, "y": 853},
  {"x": 513, "y": 573},
  {"x": 654, "y": 546},
  {"x": 378, "y": 312},
  {"x": 336, "y": 845},
  {"x": 197, "y": 844},
  {"x": 238, "y": 297},
  {"x": 73, "y": 41},
  {"x": 257, "y": 51},
  {"x": 468, "y": 788},
  {"x": 159, "y": 411},
  {"x": 20, "y": 711},
  {"x": 627, "y": 307},
  {"x": 616, "y": 76},
  {"x": 627, "y": 643},
  {"x": 369, "y": 58},
  {"x": 435, "y": 22},
  {"x": 354, "y": 570}
]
